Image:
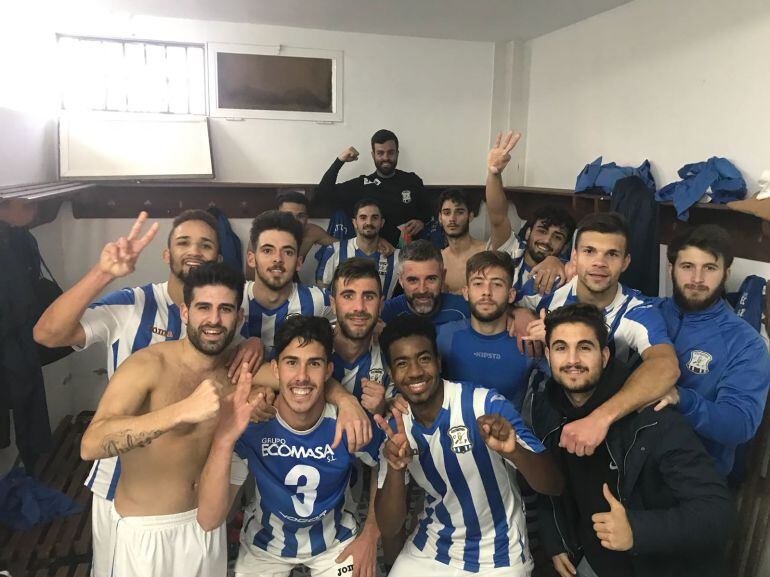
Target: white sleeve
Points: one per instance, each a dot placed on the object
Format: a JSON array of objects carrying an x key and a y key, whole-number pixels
[
  {"x": 100, "y": 324},
  {"x": 330, "y": 265},
  {"x": 239, "y": 470}
]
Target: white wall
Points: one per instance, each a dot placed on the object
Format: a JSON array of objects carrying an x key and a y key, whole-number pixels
[{"x": 675, "y": 82}]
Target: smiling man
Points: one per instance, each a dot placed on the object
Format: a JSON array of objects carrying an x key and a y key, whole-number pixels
[
  {"x": 400, "y": 194},
  {"x": 300, "y": 514},
  {"x": 724, "y": 362},
  {"x": 159, "y": 413}
]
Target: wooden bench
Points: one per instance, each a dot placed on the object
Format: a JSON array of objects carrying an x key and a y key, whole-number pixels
[{"x": 61, "y": 548}]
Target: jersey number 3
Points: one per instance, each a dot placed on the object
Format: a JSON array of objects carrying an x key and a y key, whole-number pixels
[{"x": 306, "y": 490}]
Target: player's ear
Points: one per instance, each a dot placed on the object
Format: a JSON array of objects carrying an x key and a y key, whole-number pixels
[
  {"x": 166, "y": 255},
  {"x": 465, "y": 293},
  {"x": 329, "y": 370},
  {"x": 511, "y": 295},
  {"x": 251, "y": 258},
  {"x": 299, "y": 262},
  {"x": 184, "y": 313},
  {"x": 605, "y": 356},
  {"x": 241, "y": 314},
  {"x": 274, "y": 365},
  {"x": 333, "y": 302}
]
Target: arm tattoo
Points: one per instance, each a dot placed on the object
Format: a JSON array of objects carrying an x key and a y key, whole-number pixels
[{"x": 124, "y": 441}]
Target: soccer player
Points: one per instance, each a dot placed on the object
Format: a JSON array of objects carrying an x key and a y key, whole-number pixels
[
  {"x": 536, "y": 257},
  {"x": 368, "y": 222},
  {"x": 456, "y": 442},
  {"x": 480, "y": 349},
  {"x": 273, "y": 295},
  {"x": 127, "y": 321},
  {"x": 455, "y": 216},
  {"x": 637, "y": 331},
  {"x": 159, "y": 414},
  {"x": 421, "y": 275},
  {"x": 725, "y": 368},
  {"x": 648, "y": 501},
  {"x": 299, "y": 514},
  {"x": 401, "y": 195}
]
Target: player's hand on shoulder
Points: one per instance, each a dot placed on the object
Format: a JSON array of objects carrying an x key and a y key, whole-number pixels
[
  {"x": 348, "y": 155},
  {"x": 249, "y": 354},
  {"x": 354, "y": 422},
  {"x": 546, "y": 272},
  {"x": 400, "y": 403},
  {"x": 497, "y": 432},
  {"x": 397, "y": 450},
  {"x": 373, "y": 396},
  {"x": 203, "y": 404},
  {"x": 118, "y": 258},
  {"x": 385, "y": 248},
  {"x": 262, "y": 401}
]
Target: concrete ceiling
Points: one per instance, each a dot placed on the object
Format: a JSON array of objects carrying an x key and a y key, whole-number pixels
[{"x": 484, "y": 20}]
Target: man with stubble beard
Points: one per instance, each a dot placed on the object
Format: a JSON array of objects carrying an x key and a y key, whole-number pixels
[
  {"x": 159, "y": 414},
  {"x": 724, "y": 362}
]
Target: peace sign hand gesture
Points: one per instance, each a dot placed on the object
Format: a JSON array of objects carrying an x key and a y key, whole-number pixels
[
  {"x": 118, "y": 258},
  {"x": 500, "y": 154},
  {"x": 397, "y": 449}
]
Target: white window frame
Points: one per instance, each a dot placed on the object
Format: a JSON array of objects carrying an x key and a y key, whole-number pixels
[{"x": 336, "y": 56}]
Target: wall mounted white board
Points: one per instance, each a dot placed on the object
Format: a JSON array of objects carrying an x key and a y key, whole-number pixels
[{"x": 109, "y": 145}]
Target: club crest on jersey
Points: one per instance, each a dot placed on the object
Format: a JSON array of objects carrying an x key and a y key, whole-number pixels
[
  {"x": 406, "y": 196},
  {"x": 374, "y": 181},
  {"x": 382, "y": 267},
  {"x": 699, "y": 362},
  {"x": 376, "y": 375},
  {"x": 163, "y": 332},
  {"x": 461, "y": 443}
]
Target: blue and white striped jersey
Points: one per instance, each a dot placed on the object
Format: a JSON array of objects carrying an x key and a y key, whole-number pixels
[
  {"x": 474, "y": 516},
  {"x": 370, "y": 366},
  {"x": 126, "y": 321},
  {"x": 514, "y": 246},
  {"x": 341, "y": 251},
  {"x": 262, "y": 322},
  {"x": 634, "y": 322},
  {"x": 300, "y": 508}
]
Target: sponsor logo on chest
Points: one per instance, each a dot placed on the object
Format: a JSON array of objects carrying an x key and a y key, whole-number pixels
[
  {"x": 277, "y": 447},
  {"x": 163, "y": 332}
]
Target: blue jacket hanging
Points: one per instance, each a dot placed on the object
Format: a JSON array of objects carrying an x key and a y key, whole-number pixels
[
  {"x": 749, "y": 301},
  {"x": 717, "y": 174},
  {"x": 229, "y": 243},
  {"x": 604, "y": 176}
]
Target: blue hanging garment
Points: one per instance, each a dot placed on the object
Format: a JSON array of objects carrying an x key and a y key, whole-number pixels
[
  {"x": 597, "y": 175},
  {"x": 25, "y": 502},
  {"x": 229, "y": 243},
  {"x": 749, "y": 301},
  {"x": 340, "y": 226},
  {"x": 717, "y": 176}
]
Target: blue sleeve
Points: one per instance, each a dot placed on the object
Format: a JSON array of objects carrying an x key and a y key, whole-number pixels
[
  {"x": 370, "y": 453},
  {"x": 496, "y": 403},
  {"x": 323, "y": 255},
  {"x": 391, "y": 309},
  {"x": 734, "y": 415}
]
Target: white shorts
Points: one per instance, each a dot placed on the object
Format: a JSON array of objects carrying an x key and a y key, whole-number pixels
[
  {"x": 255, "y": 562},
  {"x": 412, "y": 562},
  {"x": 102, "y": 527},
  {"x": 166, "y": 545}
]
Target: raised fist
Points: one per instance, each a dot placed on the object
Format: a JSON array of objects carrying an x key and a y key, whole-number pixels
[
  {"x": 348, "y": 155},
  {"x": 203, "y": 404}
]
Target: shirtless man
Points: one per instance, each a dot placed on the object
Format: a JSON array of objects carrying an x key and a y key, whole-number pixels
[
  {"x": 455, "y": 217},
  {"x": 159, "y": 413}
]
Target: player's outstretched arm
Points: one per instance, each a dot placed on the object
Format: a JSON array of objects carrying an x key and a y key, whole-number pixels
[
  {"x": 390, "y": 502},
  {"x": 215, "y": 491},
  {"x": 118, "y": 428},
  {"x": 538, "y": 468},
  {"x": 59, "y": 325},
  {"x": 497, "y": 202}
]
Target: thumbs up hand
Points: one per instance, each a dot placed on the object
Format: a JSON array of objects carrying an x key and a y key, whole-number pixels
[{"x": 612, "y": 529}]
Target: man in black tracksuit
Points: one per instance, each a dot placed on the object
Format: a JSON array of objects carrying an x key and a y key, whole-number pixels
[
  {"x": 648, "y": 501},
  {"x": 400, "y": 194}
]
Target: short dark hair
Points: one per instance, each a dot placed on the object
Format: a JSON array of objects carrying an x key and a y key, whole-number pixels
[
  {"x": 456, "y": 195},
  {"x": 194, "y": 214},
  {"x": 582, "y": 313},
  {"x": 420, "y": 251},
  {"x": 290, "y": 196},
  {"x": 604, "y": 223},
  {"x": 368, "y": 201},
  {"x": 216, "y": 274},
  {"x": 275, "y": 220},
  {"x": 551, "y": 215},
  {"x": 485, "y": 259},
  {"x": 407, "y": 326},
  {"x": 306, "y": 329},
  {"x": 382, "y": 136},
  {"x": 707, "y": 237},
  {"x": 353, "y": 269}
]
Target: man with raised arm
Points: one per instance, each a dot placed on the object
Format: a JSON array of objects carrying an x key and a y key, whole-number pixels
[
  {"x": 129, "y": 320},
  {"x": 401, "y": 195},
  {"x": 368, "y": 223},
  {"x": 159, "y": 414},
  {"x": 637, "y": 331},
  {"x": 456, "y": 442},
  {"x": 300, "y": 514},
  {"x": 538, "y": 267}
]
